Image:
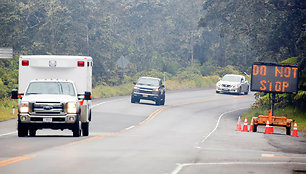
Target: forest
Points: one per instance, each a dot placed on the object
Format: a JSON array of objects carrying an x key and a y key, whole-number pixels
[{"x": 170, "y": 36}]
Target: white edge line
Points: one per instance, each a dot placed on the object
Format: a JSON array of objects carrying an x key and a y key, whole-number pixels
[
  {"x": 181, "y": 166},
  {"x": 219, "y": 122},
  {"x": 131, "y": 127},
  {"x": 8, "y": 133},
  {"x": 267, "y": 155},
  {"x": 98, "y": 104}
]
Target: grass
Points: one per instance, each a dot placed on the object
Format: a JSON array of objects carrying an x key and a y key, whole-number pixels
[
  {"x": 191, "y": 83},
  {"x": 105, "y": 91},
  {"x": 6, "y": 109},
  {"x": 289, "y": 112}
]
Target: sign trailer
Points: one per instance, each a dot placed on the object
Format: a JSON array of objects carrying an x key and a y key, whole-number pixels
[{"x": 274, "y": 78}]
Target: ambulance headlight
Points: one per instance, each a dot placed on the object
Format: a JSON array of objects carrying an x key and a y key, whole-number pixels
[
  {"x": 24, "y": 107},
  {"x": 23, "y": 118},
  {"x": 71, "y": 118},
  {"x": 71, "y": 108}
]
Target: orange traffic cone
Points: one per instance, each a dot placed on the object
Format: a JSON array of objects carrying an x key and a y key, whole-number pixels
[
  {"x": 245, "y": 125},
  {"x": 238, "y": 127},
  {"x": 269, "y": 129},
  {"x": 251, "y": 126},
  {"x": 295, "y": 131}
]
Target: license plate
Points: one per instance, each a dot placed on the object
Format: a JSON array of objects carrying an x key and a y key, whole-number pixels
[
  {"x": 47, "y": 119},
  {"x": 144, "y": 95}
]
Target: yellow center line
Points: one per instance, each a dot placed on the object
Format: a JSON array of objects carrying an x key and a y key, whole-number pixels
[{"x": 15, "y": 160}]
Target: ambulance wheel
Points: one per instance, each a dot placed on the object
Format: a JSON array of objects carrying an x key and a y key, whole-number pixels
[
  {"x": 76, "y": 129},
  {"x": 85, "y": 129},
  {"x": 22, "y": 131},
  {"x": 33, "y": 132},
  {"x": 288, "y": 130}
]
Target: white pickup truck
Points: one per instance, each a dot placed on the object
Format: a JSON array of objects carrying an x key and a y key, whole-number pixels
[{"x": 55, "y": 93}]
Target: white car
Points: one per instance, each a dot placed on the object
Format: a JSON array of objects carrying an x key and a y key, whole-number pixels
[{"x": 232, "y": 83}]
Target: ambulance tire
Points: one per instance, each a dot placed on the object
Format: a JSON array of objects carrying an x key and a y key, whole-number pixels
[
  {"x": 76, "y": 128},
  {"x": 33, "y": 132},
  {"x": 22, "y": 131},
  {"x": 85, "y": 129}
]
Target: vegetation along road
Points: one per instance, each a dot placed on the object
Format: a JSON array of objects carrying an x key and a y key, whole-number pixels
[{"x": 194, "y": 132}]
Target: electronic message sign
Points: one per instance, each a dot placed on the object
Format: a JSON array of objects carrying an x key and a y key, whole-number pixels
[{"x": 274, "y": 78}]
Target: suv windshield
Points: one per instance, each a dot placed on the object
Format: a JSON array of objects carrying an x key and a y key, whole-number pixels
[
  {"x": 65, "y": 88},
  {"x": 231, "y": 78},
  {"x": 148, "y": 81}
]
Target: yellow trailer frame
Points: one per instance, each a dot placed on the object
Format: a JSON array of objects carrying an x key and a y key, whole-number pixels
[{"x": 273, "y": 121}]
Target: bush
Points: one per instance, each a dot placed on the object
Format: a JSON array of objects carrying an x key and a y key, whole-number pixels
[{"x": 221, "y": 71}]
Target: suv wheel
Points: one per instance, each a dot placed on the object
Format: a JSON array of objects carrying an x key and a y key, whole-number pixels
[
  {"x": 162, "y": 101},
  {"x": 157, "y": 101},
  {"x": 133, "y": 99}
]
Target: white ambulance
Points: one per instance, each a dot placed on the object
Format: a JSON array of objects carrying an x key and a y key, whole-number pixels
[{"x": 55, "y": 93}]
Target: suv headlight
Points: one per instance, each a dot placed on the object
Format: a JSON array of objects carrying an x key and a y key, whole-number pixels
[
  {"x": 71, "y": 108},
  {"x": 156, "y": 90},
  {"x": 24, "y": 107}
]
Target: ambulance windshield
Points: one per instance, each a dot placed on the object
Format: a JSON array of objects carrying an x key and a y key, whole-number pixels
[{"x": 65, "y": 88}]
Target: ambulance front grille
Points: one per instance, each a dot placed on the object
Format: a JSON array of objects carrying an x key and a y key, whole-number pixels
[{"x": 47, "y": 108}]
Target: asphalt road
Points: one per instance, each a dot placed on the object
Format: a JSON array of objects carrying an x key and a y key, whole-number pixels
[{"x": 193, "y": 133}]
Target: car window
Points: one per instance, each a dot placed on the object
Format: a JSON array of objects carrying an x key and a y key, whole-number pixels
[{"x": 231, "y": 78}]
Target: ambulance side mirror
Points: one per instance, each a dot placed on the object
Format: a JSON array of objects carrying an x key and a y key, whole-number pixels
[
  {"x": 14, "y": 94},
  {"x": 87, "y": 96}
]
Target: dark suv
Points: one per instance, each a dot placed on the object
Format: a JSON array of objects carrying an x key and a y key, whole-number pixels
[{"x": 149, "y": 88}]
